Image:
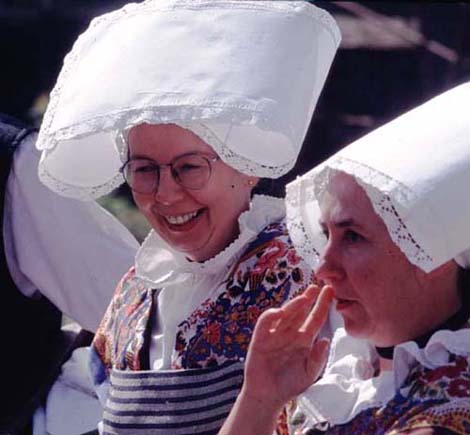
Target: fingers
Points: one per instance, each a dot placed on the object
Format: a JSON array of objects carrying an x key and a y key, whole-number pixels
[
  {"x": 317, "y": 359},
  {"x": 266, "y": 324},
  {"x": 297, "y": 316},
  {"x": 318, "y": 315},
  {"x": 296, "y": 311}
]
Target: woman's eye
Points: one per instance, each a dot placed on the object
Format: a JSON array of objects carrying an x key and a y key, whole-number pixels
[
  {"x": 352, "y": 236},
  {"x": 144, "y": 169},
  {"x": 188, "y": 167}
]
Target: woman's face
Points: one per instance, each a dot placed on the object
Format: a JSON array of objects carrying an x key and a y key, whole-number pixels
[
  {"x": 379, "y": 292},
  {"x": 199, "y": 223}
]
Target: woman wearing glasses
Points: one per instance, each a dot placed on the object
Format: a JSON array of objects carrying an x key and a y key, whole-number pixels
[{"x": 194, "y": 105}]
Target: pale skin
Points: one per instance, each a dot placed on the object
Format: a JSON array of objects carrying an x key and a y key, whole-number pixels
[
  {"x": 382, "y": 297},
  {"x": 217, "y": 223}
]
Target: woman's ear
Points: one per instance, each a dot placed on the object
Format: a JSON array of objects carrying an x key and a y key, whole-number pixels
[{"x": 252, "y": 182}]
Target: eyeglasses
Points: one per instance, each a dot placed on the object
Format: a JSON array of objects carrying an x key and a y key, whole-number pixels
[{"x": 191, "y": 171}]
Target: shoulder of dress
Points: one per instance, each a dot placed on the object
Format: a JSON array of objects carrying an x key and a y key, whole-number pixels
[
  {"x": 436, "y": 430},
  {"x": 274, "y": 238},
  {"x": 130, "y": 274},
  {"x": 438, "y": 416},
  {"x": 267, "y": 237},
  {"x": 272, "y": 256},
  {"x": 130, "y": 287},
  {"x": 451, "y": 380}
]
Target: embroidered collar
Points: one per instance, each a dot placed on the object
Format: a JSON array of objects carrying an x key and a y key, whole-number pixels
[{"x": 158, "y": 264}]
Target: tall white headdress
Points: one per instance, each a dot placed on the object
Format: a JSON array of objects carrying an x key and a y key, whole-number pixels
[
  {"x": 243, "y": 75},
  {"x": 416, "y": 172}
]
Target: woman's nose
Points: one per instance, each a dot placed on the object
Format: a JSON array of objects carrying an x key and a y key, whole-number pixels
[
  {"x": 168, "y": 190},
  {"x": 329, "y": 268}
]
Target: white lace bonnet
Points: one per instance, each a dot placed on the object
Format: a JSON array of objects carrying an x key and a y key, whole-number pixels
[
  {"x": 416, "y": 172},
  {"x": 245, "y": 76}
]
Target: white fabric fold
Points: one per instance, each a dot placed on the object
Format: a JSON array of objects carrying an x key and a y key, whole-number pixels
[
  {"x": 73, "y": 252},
  {"x": 73, "y": 396},
  {"x": 348, "y": 386}
]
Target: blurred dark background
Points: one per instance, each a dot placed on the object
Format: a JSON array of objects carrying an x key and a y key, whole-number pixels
[{"x": 394, "y": 55}]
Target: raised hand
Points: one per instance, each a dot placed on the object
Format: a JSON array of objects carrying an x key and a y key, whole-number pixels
[{"x": 285, "y": 358}]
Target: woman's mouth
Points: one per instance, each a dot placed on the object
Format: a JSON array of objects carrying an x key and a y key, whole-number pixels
[
  {"x": 181, "y": 219},
  {"x": 183, "y": 222},
  {"x": 342, "y": 304}
]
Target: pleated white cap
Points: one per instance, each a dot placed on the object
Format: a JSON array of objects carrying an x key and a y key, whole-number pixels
[{"x": 244, "y": 75}]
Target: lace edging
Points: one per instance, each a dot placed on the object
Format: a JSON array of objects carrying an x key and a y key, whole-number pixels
[
  {"x": 296, "y": 193},
  {"x": 131, "y": 9},
  {"x": 310, "y": 187},
  {"x": 237, "y": 161},
  {"x": 263, "y": 210},
  {"x": 230, "y": 157},
  {"x": 126, "y": 119},
  {"x": 375, "y": 183},
  {"x": 72, "y": 191}
]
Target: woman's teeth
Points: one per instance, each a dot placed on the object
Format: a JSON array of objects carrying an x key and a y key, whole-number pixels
[{"x": 181, "y": 219}]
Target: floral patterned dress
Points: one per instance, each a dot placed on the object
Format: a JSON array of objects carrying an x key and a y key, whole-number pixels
[{"x": 265, "y": 274}]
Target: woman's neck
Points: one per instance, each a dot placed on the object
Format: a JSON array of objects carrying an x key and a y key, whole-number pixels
[
  {"x": 385, "y": 365},
  {"x": 454, "y": 322}
]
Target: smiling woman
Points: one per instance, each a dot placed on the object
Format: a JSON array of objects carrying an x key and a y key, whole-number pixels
[
  {"x": 187, "y": 205},
  {"x": 198, "y": 103}
]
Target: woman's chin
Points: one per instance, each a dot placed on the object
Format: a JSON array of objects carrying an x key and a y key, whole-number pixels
[
  {"x": 188, "y": 238},
  {"x": 199, "y": 250},
  {"x": 356, "y": 328},
  {"x": 192, "y": 251}
]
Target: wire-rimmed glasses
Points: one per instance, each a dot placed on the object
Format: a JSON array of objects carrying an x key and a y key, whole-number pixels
[{"x": 191, "y": 171}]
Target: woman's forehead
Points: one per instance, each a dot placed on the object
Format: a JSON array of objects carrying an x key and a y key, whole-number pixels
[
  {"x": 345, "y": 202},
  {"x": 163, "y": 141}
]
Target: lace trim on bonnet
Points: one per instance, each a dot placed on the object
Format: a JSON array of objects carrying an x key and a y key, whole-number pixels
[
  {"x": 242, "y": 164},
  {"x": 234, "y": 160},
  {"x": 373, "y": 182},
  {"x": 182, "y": 115}
]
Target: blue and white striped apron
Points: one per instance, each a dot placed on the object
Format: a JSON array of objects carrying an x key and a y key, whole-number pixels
[{"x": 176, "y": 402}]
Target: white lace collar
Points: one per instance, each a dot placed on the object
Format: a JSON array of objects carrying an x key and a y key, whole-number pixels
[
  {"x": 348, "y": 386},
  {"x": 158, "y": 264}
]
